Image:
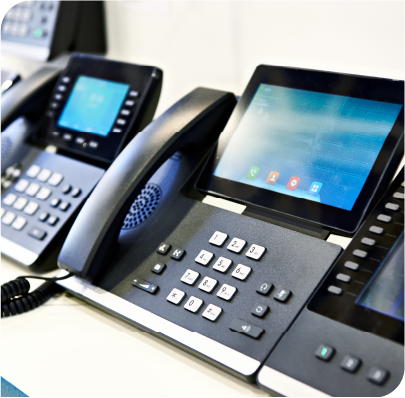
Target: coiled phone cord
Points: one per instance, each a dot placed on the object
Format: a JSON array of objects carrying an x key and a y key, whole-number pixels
[{"x": 16, "y": 299}]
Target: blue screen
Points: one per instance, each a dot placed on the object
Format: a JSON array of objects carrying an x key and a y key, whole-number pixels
[
  {"x": 310, "y": 145},
  {"x": 93, "y": 105}
]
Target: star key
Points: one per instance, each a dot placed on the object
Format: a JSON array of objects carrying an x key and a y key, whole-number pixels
[{"x": 175, "y": 296}]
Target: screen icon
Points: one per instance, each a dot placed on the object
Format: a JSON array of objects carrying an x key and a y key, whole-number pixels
[
  {"x": 315, "y": 188},
  {"x": 293, "y": 183},
  {"x": 253, "y": 172},
  {"x": 272, "y": 178}
]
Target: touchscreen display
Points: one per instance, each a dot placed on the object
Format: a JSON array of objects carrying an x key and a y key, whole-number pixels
[
  {"x": 385, "y": 291},
  {"x": 315, "y": 146},
  {"x": 93, "y": 105}
]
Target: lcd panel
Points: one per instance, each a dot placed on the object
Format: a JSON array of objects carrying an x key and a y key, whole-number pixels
[
  {"x": 93, "y": 105},
  {"x": 315, "y": 146},
  {"x": 385, "y": 291}
]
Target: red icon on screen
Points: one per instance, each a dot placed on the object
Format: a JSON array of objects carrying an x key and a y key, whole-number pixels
[
  {"x": 293, "y": 183},
  {"x": 272, "y": 178}
]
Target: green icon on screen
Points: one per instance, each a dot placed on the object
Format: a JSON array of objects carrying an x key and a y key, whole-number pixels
[
  {"x": 324, "y": 351},
  {"x": 253, "y": 172}
]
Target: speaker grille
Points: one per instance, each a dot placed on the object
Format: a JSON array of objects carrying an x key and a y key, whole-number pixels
[{"x": 143, "y": 207}]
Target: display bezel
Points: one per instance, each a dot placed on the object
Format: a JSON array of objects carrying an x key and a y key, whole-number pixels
[{"x": 330, "y": 217}]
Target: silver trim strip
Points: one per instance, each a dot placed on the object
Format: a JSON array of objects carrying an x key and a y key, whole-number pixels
[
  {"x": 286, "y": 385},
  {"x": 35, "y": 53},
  {"x": 17, "y": 252},
  {"x": 226, "y": 356}
]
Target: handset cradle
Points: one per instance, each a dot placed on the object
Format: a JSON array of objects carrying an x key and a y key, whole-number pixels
[{"x": 90, "y": 244}]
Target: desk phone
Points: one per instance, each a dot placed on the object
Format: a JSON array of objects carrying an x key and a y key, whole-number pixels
[
  {"x": 40, "y": 30},
  {"x": 95, "y": 109},
  {"x": 307, "y": 152}
]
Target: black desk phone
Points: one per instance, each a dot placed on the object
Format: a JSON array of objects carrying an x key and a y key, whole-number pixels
[
  {"x": 307, "y": 152},
  {"x": 95, "y": 109},
  {"x": 40, "y": 30}
]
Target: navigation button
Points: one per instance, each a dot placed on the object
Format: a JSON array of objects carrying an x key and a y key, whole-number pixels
[
  {"x": 144, "y": 285},
  {"x": 250, "y": 330},
  {"x": 76, "y": 192},
  {"x": 378, "y": 375}
]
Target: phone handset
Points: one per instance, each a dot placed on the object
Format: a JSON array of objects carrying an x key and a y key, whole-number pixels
[{"x": 195, "y": 120}]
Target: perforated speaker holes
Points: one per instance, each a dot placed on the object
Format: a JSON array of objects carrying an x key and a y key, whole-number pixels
[{"x": 143, "y": 207}]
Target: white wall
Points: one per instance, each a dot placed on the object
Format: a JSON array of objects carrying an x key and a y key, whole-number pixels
[{"x": 219, "y": 43}]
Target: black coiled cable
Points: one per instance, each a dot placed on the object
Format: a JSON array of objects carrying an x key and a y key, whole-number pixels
[{"x": 16, "y": 299}]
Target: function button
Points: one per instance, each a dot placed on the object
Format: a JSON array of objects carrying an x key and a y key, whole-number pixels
[
  {"x": 76, "y": 192},
  {"x": 54, "y": 105},
  {"x": 193, "y": 304},
  {"x": 93, "y": 144},
  {"x": 125, "y": 112},
  {"x": 398, "y": 195},
  {"x": 218, "y": 238},
  {"x": 236, "y": 245},
  {"x": 343, "y": 278},
  {"x": 66, "y": 189},
  {"x": 226, "y": 292},
  {"x": 58, "y": 97},
  {"x": 44, "y": 193},
  {"x": 133, "y": 94},
  {"x": 61, "y": 88},
  {"x": 376, "y": 230},
  {"x": 19, "y": 223},
  {"x": 208, "y": 284},
  {"x": 51, "y": 114},
  {"x": 80, "y": 140},
  {"x": 20, "y": 203},
  {"x": 325, "y": 352},
  {"x": 282, "y": 295},
  {"x": 175, "y": 296},
  {"x": 117, "y": 130},
  {"x": 21, "y": 185},
  {"x": 158, "y": 268},
  {"x": 145, "y": 285},
  {"x": 260, "y": 310},
  {"x": 33, "y": 171},
  {"x": 212, "y": 312},
  {"x": 37, "y": 233},
  {"x": 264, "y": 288},
  {"x": 163, "y": 248},
  {"x": 240, "y": 326},
  {"x": 33, "y": 189},
  {"x": 55, "y": 134},
  {"x": 52, "y": 220},
  {"x": 368, "y": 242},
  {"x": 177, "y": 254},
  {"x": 392, "y": 207},
  {"x": 256, "y": 252},
  {"x": 54, "y": 202},
  {"x": 8, "y": 218},
  {"x": 350, "y": 363},
  {"x": 360, "y": 253},
  {"x": 31, "y": 208},
  {"x": 335, "y": 290},
  {"x": 378, "y": 375},
  {"x": 43, "y": 216},
  {"x": 44, "y": 175},
  {"x": 241, "y": 272},
  {"x": 67, "y": 137},
  {"x": 222, "y": 264},
  {"x": 9, "y": 199},
  {"x": 121, "y": 122},
  {"x": 190, "y": 277},
  {"x": 129, "y": 103},
  {"x": 65, "y": 79},
  {"x": 351, "y": 265},
  {"x": 384, "y": 218},
  {"x": 64, "y": 206},
  {"x": 56, "y": 179},
  {"x": 204, "y": 257}
]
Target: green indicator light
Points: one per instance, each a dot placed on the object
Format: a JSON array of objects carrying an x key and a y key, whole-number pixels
[
  {"x": 38, "y": 32},
  {"x": 324, "y": 351}
]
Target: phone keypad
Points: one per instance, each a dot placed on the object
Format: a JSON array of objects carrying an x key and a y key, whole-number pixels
[{"x": 236, "y": 245}]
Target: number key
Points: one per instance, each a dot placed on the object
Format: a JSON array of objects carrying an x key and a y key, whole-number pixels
[
  {"x": 190, "y": 277},
  {"x": 256, "y": 252},
  {"x": 207, "y": 284},
  {"x": 204, "y": 257},
  {"x": 236, "y": 245},
  {"x": 218, "y": 238},
  {"x": 193, "y": 304},
  {"x": 226, "y": 292},
  {"x": 241, "y": 272},
  {"x": 222, "y": 264}
]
